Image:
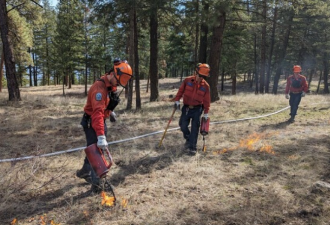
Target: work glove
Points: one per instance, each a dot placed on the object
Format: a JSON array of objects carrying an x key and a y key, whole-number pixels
[
  {"x": 113, "y": 117},
  {"x": 177, "y": 105},
  {"x": 102, "y": 142},
  {"x": 287, "y": 96},
  {"x": 303, "y": 94},
  {"x": 206, "y": 116}
]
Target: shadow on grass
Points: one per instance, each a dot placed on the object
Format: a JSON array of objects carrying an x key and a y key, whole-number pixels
[
  {"x": 145, "y": 165},
  {"x": 34, "y": 206}
]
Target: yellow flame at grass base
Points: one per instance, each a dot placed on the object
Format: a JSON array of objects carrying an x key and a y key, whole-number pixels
[
  {"x": 107, "y": 200},
  {"x": 249, "y": 143}
]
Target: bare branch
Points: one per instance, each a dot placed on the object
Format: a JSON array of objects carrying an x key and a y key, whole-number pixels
[
  {"x": 16, "y": 6},
  {"x": 36, "y": 3}
]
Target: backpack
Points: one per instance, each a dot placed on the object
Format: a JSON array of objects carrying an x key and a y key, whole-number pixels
[{"x": 296, "y": 83}]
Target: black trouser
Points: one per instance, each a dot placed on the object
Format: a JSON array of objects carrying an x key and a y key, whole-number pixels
[
  {"x": 91, "y": 138},
  {"x": 193, "y": 115},
  {"x": 294, "y": 102}
]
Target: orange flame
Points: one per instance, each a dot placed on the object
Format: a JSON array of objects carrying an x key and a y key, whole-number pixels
[
  {"x": 108, "y": 201},
  {"x": 13, "y": 222},
  {"x": 42, "y": 218},
  {"x": 124, "y": 203},
  {"x": 53, "y": 223},
  {"x": 250, "y": 144},
  {"x": 268, "y": 149}
]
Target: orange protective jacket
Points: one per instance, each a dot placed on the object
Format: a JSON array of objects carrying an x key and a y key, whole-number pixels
[
  {"x": 97, "y": 101},
  {"x": 296, "y": 88},
  {"x": 194, "y": 93}
]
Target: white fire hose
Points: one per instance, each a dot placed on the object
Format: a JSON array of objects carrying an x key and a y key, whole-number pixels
[{"x": 136, "y": 137}]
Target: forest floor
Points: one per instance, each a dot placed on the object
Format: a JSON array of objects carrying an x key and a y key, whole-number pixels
[{"x": 254, "y": 171}]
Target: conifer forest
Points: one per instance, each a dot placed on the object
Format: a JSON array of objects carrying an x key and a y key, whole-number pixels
[{"x": 76, "y": 41}]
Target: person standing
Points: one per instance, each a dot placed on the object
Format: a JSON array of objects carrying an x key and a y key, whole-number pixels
[
  {"x": 196, "y": 100},
  {"x": 99, "y": 106},
  {"x": 296, "y": 88}
]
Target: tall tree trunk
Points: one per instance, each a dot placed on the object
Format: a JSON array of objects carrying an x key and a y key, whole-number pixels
[
  {"x": 318, "y": 85},
  {"x": 256, "y": 78},
  {"x": 197, "y": 24},
  {"x": 204, "y": 33},
  {"x": 215, "y": 52},
  {"x": 136, "y": 64},
  {"x": 30, "y": 69},
  {"x": 263, "y": 48},
  {"x": 12, "y": 84},
  {"x": 272, "y": 43},
  {"x": 35, "y": 72},
  {"x": 47, "y": 58},
  {"x": 154, "y": 94},
  {"x": 233, "y": 86},
  {"x": 326, "y": 72},
  {"x": 223, "y": 79},
  {"x": 310, "y": 77},
  {"x": 1, "y": 69},
  {"x": 282, "y": 53},
  {"x": 131, "y": 57}
]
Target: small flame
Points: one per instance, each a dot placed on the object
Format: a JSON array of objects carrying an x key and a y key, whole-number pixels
[
  {"x": 13, "y": 222},
  {"x": 43, "y": 218},
  {"x": 107, "y": 200},
  {"x": 124, "y": 203},
  {"x": 268, "y": 149},
  {"x": 251, "y": 143},
  {"x": 53, "y": 223},
  {"x": 86, "y": 213}
]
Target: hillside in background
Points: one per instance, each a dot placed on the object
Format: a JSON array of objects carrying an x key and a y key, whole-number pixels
[{"x": 254, "y": 171}]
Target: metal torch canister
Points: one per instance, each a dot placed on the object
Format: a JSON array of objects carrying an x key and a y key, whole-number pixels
[
  {"x": 205, "y": 124},
  {"x": 97, "y": 160}
]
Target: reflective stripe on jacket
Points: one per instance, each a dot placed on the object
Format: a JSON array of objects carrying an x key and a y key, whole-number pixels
[{"x": 194, "y": 93}]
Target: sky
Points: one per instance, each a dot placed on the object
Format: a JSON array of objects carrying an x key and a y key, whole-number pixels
[{"x": 53, "y": 2}]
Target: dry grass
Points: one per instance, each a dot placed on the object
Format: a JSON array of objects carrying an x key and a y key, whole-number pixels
[{"x": 267, "y": 182}]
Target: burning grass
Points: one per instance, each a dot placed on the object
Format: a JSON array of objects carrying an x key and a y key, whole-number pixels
[{"x": 253, "y": 172}]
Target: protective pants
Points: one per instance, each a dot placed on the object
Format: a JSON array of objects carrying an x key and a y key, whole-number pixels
[
  {"x": 193, "y": 115},
  {"x": 294, "y": 102}
]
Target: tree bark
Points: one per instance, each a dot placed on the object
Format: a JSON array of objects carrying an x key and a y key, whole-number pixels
[
  {"x": 204, "y": 33},
  {"x": 215, "y": 52},
  {"x": 154, "y": 93},
  {"x": 12, "y": 84},
  {"x": 131, "y": 57},
  {"x": 197, "y": 32},
  {"x": 256, "y": 78},
  {"x": 282, "y": 53},
  {"x": 272, "y": 43},
  {"x": 136, "y": 64},
  {"x": 1, "y": 70},
  {"x": 319, "y": 83},
  {"x": 263, "y": 49},
  {"x": 326, "y": 72}
]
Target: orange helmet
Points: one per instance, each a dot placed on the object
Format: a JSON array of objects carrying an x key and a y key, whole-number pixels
[
  {"x": 203, "y": 69},
  {"x": 296, "y": 69},
  {"x": 123, "y": 73}
]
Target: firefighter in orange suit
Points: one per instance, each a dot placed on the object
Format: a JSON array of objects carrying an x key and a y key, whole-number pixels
[
  {"x": 196, "y": 100},
  {"x": 101, "y": 101},
  {"x": 296, "y": 87}
]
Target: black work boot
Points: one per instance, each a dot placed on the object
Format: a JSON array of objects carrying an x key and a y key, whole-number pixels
[
  {"x": 291, "y": 120},
  {"x": 85, "y": 173},
  {"x": 192, "y": 151}
]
